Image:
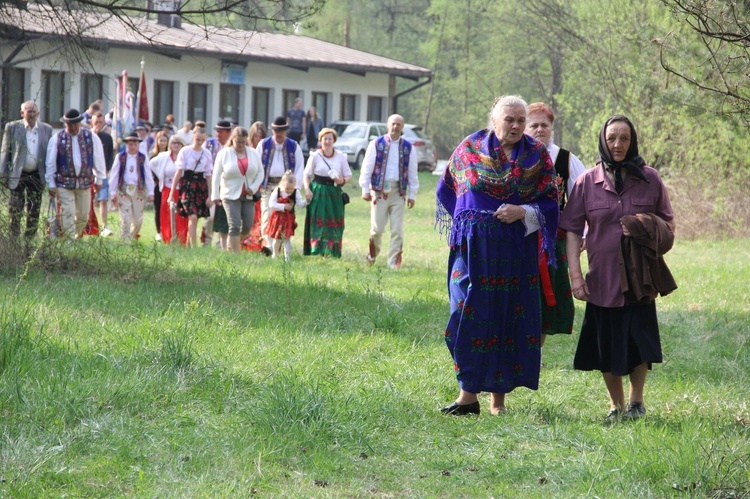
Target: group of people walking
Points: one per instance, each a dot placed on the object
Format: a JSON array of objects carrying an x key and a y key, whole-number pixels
[
  {"x": 516, "y": 210},
  {"x": 237, "y": 181}
]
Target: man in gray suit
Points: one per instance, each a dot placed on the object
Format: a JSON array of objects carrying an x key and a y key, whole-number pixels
[{"x": 22, "y": 167}]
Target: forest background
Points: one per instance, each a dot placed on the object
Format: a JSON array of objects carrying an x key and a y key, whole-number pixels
[{"x": 588, "y": 60}]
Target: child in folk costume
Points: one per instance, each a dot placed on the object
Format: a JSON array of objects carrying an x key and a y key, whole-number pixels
[
  {"x": 131, "y": 186},
  {"x": 282, "y": 223}
]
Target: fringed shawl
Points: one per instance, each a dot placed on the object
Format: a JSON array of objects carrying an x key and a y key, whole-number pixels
[{"x": 479, "y": 178}]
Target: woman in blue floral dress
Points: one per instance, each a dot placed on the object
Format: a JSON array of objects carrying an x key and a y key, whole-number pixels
[{"x": 497, "y": 193}]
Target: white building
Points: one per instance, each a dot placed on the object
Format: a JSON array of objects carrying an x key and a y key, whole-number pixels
[{"x": 192, "y": 72}]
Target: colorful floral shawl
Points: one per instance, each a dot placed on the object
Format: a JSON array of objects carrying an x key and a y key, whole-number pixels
[{"x": 479, "y": 178}]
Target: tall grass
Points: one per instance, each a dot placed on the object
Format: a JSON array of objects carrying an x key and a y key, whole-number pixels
[{"x": 212, "y": 374}]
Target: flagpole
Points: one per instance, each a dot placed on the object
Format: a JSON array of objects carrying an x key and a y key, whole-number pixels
[{"x": 138, "y": 95}]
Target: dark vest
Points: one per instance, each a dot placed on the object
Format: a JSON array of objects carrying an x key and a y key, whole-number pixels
[{"x": 65, "y": 176}]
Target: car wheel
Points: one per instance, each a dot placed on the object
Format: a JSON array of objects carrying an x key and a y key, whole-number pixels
[
  {"x": 426, "y": 167},
  {"x": 359, "y": 160}
]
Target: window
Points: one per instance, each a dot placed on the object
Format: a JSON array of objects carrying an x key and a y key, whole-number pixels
[
  {"x": 289, "y": 96},
  {"x": 163, "y": 100},
  {"x": 14, "y": 85},
  {"x": 320, "y": 101},
  {"x": 374, "y": 108},
  {"x": 197, "y": 102},
  {"x": 261, "y": 104},
  {"x": 374, "y": 132},
  {"x": 229, "y": 102},
  {"x": 348, "y": 107},
  {"x": 133, "y": 86},
  {"x": 91, "y": 90},
  {"x": 53, "y": 97}
]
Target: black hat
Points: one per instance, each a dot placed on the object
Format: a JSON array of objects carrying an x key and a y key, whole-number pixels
[
  {"x": 72, "y": 116},
  {"x": 280, "y": 123},
  {"x": 132, "y": 136},
  {"x": 140, "y": 127},
  {"x": 147, "y": 124},
  {"x": 223, "y": 125}
]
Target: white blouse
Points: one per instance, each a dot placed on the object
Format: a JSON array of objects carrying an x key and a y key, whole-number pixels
[
  {"x": 316, "y": 165},
  {"x": 197, "y": 161},
  {"x": 280, "y": 199},
  {"x": 164, "y": 169}
]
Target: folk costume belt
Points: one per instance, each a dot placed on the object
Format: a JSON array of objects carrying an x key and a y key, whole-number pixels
[
  {"x": 189, "y": 174},
  {"x": 318, "y": 179}
]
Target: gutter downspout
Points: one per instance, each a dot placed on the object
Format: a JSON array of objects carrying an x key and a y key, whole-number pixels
[{"x": 394, "y": 99}]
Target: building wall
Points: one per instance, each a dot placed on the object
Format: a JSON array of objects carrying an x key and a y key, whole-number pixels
[{"x": 197, "y": 69}]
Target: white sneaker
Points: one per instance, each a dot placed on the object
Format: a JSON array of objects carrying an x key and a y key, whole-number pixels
[
  {"x": 158, "y": 237},
  {"x": 106, "y": 232}
]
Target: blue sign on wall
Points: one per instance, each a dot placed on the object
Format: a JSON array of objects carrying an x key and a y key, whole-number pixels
[{"x": 232, "y": 74}]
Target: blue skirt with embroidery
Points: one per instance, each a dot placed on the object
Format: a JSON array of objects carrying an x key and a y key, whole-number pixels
[{"x": 494, "y": 328}]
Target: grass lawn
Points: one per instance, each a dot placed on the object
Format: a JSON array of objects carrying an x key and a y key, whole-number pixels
[{"x": 175, "y": 373}]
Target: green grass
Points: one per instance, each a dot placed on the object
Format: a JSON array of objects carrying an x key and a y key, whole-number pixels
[{"x": 209, "y": 374}]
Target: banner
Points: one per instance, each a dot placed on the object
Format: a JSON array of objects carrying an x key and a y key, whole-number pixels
[{"x": 142, "y": 113}]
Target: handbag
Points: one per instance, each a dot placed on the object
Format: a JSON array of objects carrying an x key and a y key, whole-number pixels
[{"x": 53, "y": 223}]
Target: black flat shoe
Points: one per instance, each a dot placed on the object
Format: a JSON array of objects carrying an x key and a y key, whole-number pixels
[{"x": 461, "y": 410}]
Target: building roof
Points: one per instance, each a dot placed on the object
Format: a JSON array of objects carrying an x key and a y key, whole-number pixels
[{"x": 229, "y": 44}]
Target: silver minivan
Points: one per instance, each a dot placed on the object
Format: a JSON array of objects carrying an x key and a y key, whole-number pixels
[{"x": 355, "y": 136}]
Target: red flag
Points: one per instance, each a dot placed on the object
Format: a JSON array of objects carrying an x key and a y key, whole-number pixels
[{"x": 142, "y": 97}]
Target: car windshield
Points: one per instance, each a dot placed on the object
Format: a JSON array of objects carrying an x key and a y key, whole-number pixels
[
  {"x": 411, "y": 133},
  {"x": 351, "y": 130}
]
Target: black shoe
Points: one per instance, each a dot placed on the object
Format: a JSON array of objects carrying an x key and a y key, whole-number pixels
[
  {"x": 461, "y": 410},
  {"x": 635, "y": 410},
  {"x": 613, "y": 415},
  {"x": 266, "y": 251}
]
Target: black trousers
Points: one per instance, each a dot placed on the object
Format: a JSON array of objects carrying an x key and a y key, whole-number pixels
[{"x": 27, "y": 195}]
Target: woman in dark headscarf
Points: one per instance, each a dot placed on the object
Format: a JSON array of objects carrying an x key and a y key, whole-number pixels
[
  {"x": 619, "y": 335},
  {"x": 498, "y": 193}
]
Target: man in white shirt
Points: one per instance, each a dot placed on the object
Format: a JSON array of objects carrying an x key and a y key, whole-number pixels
[
  {"x": 186, "y": 133},
  {"x": 22, "y": 165},
  {"x": 278, "y": 154},
  {"x": 131, "y": 186},
  {"x": 389, "y": 172},
  {"x": 75, "y": 163}
]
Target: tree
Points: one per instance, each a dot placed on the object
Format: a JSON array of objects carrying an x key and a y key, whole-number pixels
[{"x": 716, "y": 58}]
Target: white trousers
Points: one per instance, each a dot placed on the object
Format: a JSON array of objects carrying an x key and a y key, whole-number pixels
[
  {"x": 131, "y": 213},
  {"x": 74, "y": 210},
  {"x": 383, "y": 210}
]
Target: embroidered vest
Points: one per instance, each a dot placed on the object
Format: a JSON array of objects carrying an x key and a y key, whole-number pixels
[
  {"x": 65, "y": 176},
  {"x": 562, "y": 167},
  {"x": 269, "y": 147},
  {"x": 214, "y": 146},
  {"x": 141, "y": 161},
  {"x": 382, "y": 146}
]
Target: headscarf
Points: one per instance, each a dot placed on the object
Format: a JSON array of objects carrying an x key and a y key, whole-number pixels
[{"x": 633, "y": 162}]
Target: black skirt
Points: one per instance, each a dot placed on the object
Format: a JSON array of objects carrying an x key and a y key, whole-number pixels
[{"x": 617, "y": 340}]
